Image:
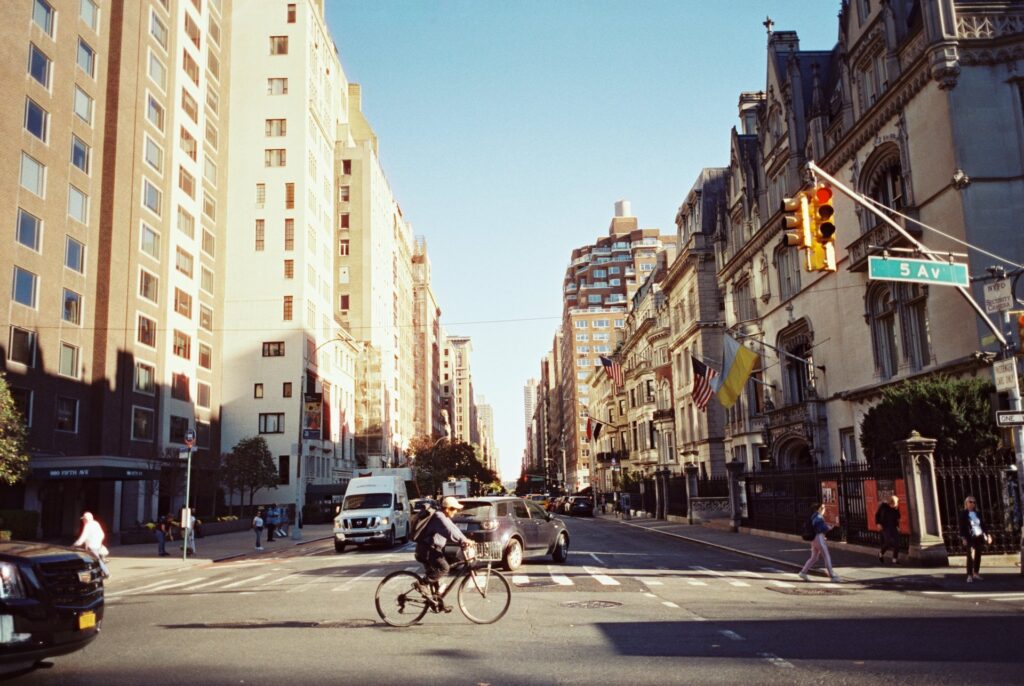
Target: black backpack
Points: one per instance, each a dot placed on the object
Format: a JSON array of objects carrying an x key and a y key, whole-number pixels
[
  {"x": 419, "y": 524},
  {"x": 807, "y": 532}
]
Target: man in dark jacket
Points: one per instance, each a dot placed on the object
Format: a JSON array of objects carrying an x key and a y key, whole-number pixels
[
  {"x": 430, "y": 546},
  {"x": 887, "y": 517}
]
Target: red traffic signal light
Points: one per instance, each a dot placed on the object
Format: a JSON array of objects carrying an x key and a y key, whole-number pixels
[{"x": 822, "y": 255}]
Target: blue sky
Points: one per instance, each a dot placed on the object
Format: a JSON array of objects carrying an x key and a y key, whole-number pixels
[{"x": 509, "y": 129}]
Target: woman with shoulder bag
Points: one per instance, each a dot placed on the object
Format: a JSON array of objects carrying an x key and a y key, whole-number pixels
[
  {"x": 975, "y": 535},
  {"x": 819, "y": 548}
]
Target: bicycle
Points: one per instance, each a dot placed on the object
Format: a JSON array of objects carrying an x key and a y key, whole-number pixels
[{"x": 483, "y": 596}]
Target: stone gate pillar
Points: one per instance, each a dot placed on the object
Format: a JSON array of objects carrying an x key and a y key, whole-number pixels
[
  {"x": 691, "y": 489},
  {"x": 735, "y": 469},
  {"x": 918, "y": 457}
]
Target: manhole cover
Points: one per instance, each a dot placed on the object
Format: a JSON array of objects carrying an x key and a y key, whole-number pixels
[
  {"x": 591, "y": 604},
  {"x": 808, "y": 591}
]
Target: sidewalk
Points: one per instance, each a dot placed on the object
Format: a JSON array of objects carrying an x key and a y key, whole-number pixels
[
  {"x": 128, "y": 561},
  {"x": 852, "y": 566}
]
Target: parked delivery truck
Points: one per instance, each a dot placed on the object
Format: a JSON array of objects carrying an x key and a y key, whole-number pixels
[{"x": 375, "y": 510}]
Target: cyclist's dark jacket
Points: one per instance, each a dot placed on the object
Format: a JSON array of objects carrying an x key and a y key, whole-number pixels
[{"x": 440, "y": 530}]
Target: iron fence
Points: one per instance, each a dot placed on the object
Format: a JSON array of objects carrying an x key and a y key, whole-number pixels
[
  {"x": 713, "y": 487},
  {"x": 992, "y": 481},
  {"x": 677, "y": 496}
]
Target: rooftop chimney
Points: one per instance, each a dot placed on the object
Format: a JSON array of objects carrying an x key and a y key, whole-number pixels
[{"x": 622, "y": 209}]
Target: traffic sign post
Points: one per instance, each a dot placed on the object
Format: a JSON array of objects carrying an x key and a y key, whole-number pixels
[
  {"x": 186, "y": 524},
  {"x": 918, "y": 271},
  {"x": 1009, "y": 418}
]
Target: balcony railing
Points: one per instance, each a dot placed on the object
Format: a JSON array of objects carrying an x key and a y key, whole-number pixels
[{"x": 881, "y": 235}]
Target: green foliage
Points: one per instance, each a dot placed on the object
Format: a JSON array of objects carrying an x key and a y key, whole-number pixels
[
  {"x": 13, "y": 439},
  {"x": 437, "y": 461},
  {"x": 23, "y": 524},
  {"x": 955, "y": 412},
  {"x": 250, "y": 467}
]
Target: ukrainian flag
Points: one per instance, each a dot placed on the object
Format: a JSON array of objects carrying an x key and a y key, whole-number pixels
[{"x": 737, "y": 365}]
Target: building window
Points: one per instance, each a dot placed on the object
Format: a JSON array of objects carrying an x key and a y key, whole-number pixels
[
  {"x": 72, "y": 308},
  {"x": 80, "y": 153},
  {"x": 189, "y": 104},
  {"x": 882, "y": 316},
  {"x": 67, "y": 415},
  {"x": 186, "y": 223},
  {"x": 186, "y": 182},
  {"x": 205, "y": 318},
  {"x": 149, "y": 241},
  {"x": 23, "y": 347},
  {"x": 89, "y": 13},
  {"x": 74, "y": 255},
  {"x": 157, "y": 71},
  {"x": 286, "y": 389},
  {"x": 212, "y": 136},
  {"x": 178, "y": 428},
  {"x": 271, "y": 422},
  {"x": 289, "y": 234},
  {"x": 149, "y": 286},
  {"x": 203, "y": 395},
  {"x": 183, "y": 262},
  {"x": 274, "y": 157},
  {"x": 83, "y": 105},
  {"x": 205, "y": 356},
  {"x": 289, "y": 196},
  {"x": 142, "y": 424},
  {"x": 257, "y": 390},
  {"x": 260, "y": 234},
  {"x": 42, "y": 15},
  {"x": 147, "y": 331},
  {"x": 288, "y": 308},
  {"x": 182, "y": 303},
  {"x": 154, "y": 155},
  {"x": 33, "y": 175},
  {"x": 209, "y": 243},
  {"x": 787, "y": 262},
  {"x": 210, "y": 170},
  {"x": 86, "y": 57},
  {"x": 39, "y": 65},
  {"x": 189, "y": 145},
  {"x": 279, "y": 45},
  {"x": 158, "y": 30},
  {"x": 78, "y": 205},
  {"x": 151, "y": 197},
  {"x": 192, "y": 30},
  {"x": 276, "y": 127},
  {"x": 273, "y": 349},
  {"x": 145, "y": 378},
  {"x": 914, "y": 323},
  {"x": 24, "y": 290},
  {"x": 283, "y": 465},
  {"x": 261, "y": 195},
  {"x": 29, "y": 230},
  {"x": 277, "y": 86},
  {"x": 344, "y": 221},
  {"x": 289, "y": 269},
  {"x": 182, "y": 345},
  {"x": 343, "y": 302},
  {"x": 36, "y": 119},
  {"x": 343, "y": 246},
  {"x": 206, "y": 279},
  {"x": 155, "y": 113},
  {"x": 190, "y": 66},
  {"x": 180, "y": 387},
  {"x": 344, "y": 193}
]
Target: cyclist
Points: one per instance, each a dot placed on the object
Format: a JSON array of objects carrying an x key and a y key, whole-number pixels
[{"x": 438, "y": 533}]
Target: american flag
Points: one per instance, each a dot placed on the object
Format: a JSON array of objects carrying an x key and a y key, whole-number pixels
[
  {"x": 614, "y": 370},
  {"x": 702, "y": 376}
]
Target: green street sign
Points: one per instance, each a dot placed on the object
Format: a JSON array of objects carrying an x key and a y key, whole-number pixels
[{"x": 918, "y": 271}]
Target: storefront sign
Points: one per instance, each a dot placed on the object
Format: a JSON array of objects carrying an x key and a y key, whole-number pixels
[{"x": 96, "y": 472}]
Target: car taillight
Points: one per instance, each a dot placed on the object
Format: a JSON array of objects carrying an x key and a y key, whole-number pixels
[{"x": 489, "y": 524}]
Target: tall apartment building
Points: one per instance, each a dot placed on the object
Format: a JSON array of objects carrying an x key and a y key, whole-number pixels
[
  {"x": 115, "y": 125},
  {"x": 374, "y": 296},
  {"x": 597, "y": 288},
  {"x": 485, "y": 424},
  {"x": 464, "y": 425},
  {"x": 529, "y": 408},
  {"x": 289, "y": 369},
  {"x": 427, "y": 417}
]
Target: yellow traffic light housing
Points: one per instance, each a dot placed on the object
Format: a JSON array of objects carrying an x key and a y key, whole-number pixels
[
  {"x": 822, "y": 252},
  {"x": 797, "y": 221}
]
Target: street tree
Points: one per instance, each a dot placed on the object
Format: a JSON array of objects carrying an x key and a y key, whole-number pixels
[
  {"x": 250, "y": 467},
  {"x": 13, "y": 438},
  {"x": 955, "y": 412},
  {"x": 438, "y": 460}
]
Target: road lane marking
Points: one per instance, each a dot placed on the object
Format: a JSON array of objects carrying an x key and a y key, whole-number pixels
[
  {"x": 781, "y": 584},
  {"x": 520, "y": 579},
  {"x": 594, "y": 555},
  {"x": 648, "y": 582},
  {"x": 134, "y": 590},
  {"x": 775, "y": 660},
  {"x": 245, "y": 581},
  {"x": 741, "y": 584},
  {"x": 279, "y": 579},
  {"x": 560, "y": 579},
  {"x": 731, "y": 635},
  {"x": 650, "y": 595},
  {"x": 209, "y": 583},
  {"x": 601, "y": 578},
  {"x": 668, "y": 603},
  {"x": 347, "y": 586},
  {"x": 165, "y": 586},
  {"x": 696, "y": 583}
]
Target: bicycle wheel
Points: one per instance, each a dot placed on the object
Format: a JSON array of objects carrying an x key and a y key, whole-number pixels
[
  {"x": 484, "y": 596},
  {"x": 398, "y": 602}
]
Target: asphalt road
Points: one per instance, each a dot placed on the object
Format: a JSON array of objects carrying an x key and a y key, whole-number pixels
[{"x": 629, "y": 607}]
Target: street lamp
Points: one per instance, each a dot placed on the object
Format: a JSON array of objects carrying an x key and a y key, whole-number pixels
[{"x": 300, "y": 478}]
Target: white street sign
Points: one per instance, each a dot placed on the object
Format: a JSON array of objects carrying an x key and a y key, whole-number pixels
[
  {"x": 1005, "y": 372},
  {"x": 998, "y": 296}
]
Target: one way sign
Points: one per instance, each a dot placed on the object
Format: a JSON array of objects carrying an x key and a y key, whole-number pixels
[{"x": 1009, "y": 418}]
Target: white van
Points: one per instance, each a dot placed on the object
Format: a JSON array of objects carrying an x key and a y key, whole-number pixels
[{"x": 375, "y": 509}]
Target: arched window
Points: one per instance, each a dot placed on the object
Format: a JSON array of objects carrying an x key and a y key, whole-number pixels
[
  {"x": 912, "y": 302},
  {"x": 904, "y": 304},
  {"x": 787, "y": 264},
  {"x": 887, "y": 187},
  {"x": 797, "y": 364}
]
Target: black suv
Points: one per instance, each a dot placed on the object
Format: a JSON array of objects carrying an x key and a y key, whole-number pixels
[
  {"x": 51, "y": 602},
  {"x": 508, "y": 528}
]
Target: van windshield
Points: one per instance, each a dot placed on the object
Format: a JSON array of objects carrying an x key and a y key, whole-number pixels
[{"x": 367, "y": 501}]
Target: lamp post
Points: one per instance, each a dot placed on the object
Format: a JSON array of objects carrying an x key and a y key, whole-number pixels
[
  {"x": 300, "y": 473},
  {"x": 186, "y": 511}
]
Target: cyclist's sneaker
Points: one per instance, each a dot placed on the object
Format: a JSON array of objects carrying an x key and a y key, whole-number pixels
[{"x": 423, "y": 588}]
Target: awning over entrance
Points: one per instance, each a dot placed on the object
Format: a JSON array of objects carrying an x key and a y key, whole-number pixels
[{"x": 93, "y": 472}]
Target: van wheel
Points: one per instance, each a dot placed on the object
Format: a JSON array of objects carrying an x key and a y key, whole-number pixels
[
  {"x": 513, "y": 555},
  {"x": 390, "y": 540},
  {"x": 339, "y": 547}
]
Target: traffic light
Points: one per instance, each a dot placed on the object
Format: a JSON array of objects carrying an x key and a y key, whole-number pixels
[
  {"x": 822, "y": 253},
  {"x": 797, "y": 221}
]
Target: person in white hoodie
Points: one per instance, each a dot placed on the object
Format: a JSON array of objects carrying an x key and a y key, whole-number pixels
[{"x": 92, "y": 540}]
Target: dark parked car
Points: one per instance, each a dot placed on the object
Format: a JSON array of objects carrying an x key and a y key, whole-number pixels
[
  {"x": 51, "y": 602},
  {"x": 509, "y": 529},
  {"x": 580, "y": 506}
]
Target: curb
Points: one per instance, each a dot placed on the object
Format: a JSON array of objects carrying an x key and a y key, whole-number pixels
[{"x": 235, "y": 556}]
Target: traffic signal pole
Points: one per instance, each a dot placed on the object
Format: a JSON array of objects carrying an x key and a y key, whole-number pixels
[{"x": 1005, "y": 347}]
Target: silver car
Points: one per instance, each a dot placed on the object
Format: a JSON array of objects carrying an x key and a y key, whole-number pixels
[{"x": 509, "y": 529}]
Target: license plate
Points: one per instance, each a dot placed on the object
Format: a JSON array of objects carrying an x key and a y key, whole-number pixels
[
  {"x": 463, "y": 526},
  {"x": 86, "y": 620}
]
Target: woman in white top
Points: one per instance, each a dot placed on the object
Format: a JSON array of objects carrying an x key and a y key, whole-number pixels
[
  {"x": 974, "y": 534},
  {"x": 92, "y": 540}
]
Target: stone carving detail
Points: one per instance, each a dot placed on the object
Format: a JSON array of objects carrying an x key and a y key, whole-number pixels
[{"x": 981, "y": 26}]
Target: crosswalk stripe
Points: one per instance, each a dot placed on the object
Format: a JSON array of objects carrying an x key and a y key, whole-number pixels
[
  {"x": 648, "y": 582},
  {"x": 560, "y": 579},
  {"x": 781, "y": 584},
  {"x": 520, "y": 579},
  {"x": 209, "y": 583},
  {"x": 348, "y": 584},
  {"x": 601, "y": 578},
  {"x": 1010, "y": 598},
  {"x": 126, "y": 591},
  {"x": 696, "y": 583},
  {"x": 163, "y": 587},
  {"x": 740, "y": 584},
  {"x": 668, "y": 603},
  {"x": 245, "y": 581}
]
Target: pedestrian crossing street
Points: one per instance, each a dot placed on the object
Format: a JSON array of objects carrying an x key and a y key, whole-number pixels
[{"x": 361, "y": 575}]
